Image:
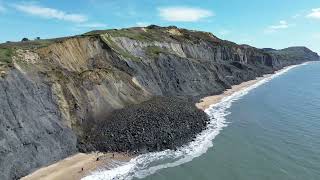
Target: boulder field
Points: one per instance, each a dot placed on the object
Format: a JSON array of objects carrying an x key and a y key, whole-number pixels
[
  {"x": 154, "y": 125},
  {"x": 117, "y": 90}
]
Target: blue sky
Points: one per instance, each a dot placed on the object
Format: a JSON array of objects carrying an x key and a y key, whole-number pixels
[{"x": 272, "y": 23}]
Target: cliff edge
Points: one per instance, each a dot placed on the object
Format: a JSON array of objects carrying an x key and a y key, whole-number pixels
[{"x": 53, "y": 90}]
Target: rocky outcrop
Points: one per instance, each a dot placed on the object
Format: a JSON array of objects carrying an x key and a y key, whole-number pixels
[
  {"x": 32, "y": 130},
  {"x": 53, "y": 90},
  {"x": 154, "y": 125}
]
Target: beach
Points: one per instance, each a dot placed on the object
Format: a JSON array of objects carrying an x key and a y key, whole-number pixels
[
  {"x": 271, "y": 131},
  {"x": 206, "y": 102},
  {"x": 81, "y": 165},
  {"x": 77, "y": 166}
]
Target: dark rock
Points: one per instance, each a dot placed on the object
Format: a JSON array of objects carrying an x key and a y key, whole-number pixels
[
  {"x": 32, "y": 132},
  {"x": 158, "y": 124},
  {"x": 46, "y": 103}
]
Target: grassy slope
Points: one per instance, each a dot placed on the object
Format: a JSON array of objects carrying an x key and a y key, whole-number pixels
[{"x": 148, "y": 34}]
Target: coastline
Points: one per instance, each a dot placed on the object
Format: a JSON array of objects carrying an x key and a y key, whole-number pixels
[
  {"x": 207, "y": 101},
  {"x": 71, "y": 167},
  {"x": 77, "y": 166}
]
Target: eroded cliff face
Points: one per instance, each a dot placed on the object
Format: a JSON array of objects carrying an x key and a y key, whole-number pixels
[
  {"x": 49, "y": 94},
  {"x": 32, "y": 129}
]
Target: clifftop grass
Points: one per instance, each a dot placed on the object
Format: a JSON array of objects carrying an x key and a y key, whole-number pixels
[
  {"x": 6, "y": 55},
  {"x": 138, "y": 34},
  {"x": 5, "y": 60},
  {"x": 33, "y": 44}
]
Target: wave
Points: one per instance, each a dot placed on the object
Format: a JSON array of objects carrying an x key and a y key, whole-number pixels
[{"x": 149, "y": 163}]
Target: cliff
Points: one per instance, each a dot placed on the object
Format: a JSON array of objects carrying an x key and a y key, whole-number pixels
[{"x": 52, "y": 90}]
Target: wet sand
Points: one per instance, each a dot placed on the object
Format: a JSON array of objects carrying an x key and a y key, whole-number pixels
[
  {"x": 205, "y": 102},
  {"x": 77, "y": 166},
  {"x": 71, "y": 167}
]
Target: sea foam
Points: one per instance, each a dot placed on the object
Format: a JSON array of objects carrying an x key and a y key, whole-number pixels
[{"x": 147, "y": 164}]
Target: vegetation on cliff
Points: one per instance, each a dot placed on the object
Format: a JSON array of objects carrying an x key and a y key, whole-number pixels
[{"x": 54, "y": 86}]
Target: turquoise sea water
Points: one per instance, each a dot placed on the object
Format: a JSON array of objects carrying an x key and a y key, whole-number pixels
[
  {"x": 274, "y": 133},
  {"x": 270, "y": 131}
]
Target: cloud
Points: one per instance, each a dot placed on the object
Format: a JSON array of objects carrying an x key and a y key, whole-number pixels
[
  {"x": 273, "y": 28},
  {"x": 50, "y": 13},
  {"x": 142, "y": 24},
  {"x": 184, "y": 14},
  {"x": 315, "y": 13},
  {"x": 92, "y": 25},
  {"x": 281, "y": 25}
]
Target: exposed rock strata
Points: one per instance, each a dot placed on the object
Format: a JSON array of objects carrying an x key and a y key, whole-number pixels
[
  {"x": 32, "y": 132},
  {"x": 49, "y": 95}
]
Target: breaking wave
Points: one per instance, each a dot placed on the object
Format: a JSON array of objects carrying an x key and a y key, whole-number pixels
[{"x": 147, "y": 164}]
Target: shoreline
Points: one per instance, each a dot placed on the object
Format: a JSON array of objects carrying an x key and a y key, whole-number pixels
[
  {"x": 77, "y": 166},
  {"x": 207, "y": 101},
  {"x": 71, "y": 167}
]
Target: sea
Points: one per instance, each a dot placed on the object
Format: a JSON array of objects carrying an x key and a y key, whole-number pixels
[{"x": 268, "y": 131}]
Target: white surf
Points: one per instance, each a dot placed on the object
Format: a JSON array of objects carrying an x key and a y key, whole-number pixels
[{"x": 147, "y": 164}]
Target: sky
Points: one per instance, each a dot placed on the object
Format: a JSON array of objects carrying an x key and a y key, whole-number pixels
[{"x": 273, "y": 23}]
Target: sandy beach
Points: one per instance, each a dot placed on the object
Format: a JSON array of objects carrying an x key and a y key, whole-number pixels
[
  {"x": 209, "y": 100},
  {"x": 80, "y": 165},
  {"x": 77, "y": 166},
  {"x": 205, "y": 102}
]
